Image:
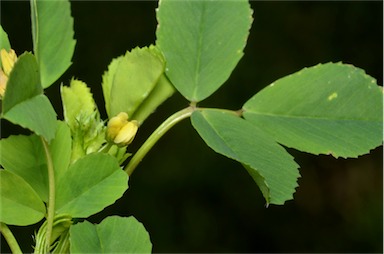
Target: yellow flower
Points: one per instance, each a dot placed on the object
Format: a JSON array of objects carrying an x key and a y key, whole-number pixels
[
  {"x": 120, "y": 131},
  {"x": 8, "y": 60}
]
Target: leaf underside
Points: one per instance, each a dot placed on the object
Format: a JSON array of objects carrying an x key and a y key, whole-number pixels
[{"x": 272, "y": 168}]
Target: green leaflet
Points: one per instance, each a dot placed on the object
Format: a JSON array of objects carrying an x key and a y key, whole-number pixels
[
  {"x": 202, "y": 42},
  {"x": 90, "y": 184},
  {"x": 330, "y": 108},
  {"x": 272, "y": 168},
  {"x": 32, "y": 167},
  {"x": 20, "y": 204},
  {"x": 24, "y": 103},
  {"x": 23, "y": 83},
  {"x": 135, "y": 84},
  {"x": 106, "y": 237},
  {"x": 36, "y": 114},
  {"x": 52, "y": 33}
]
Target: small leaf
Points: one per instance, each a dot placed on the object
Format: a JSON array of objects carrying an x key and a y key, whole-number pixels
[
  {"x": 89, "y": 185},
  {"x": 330, "y": 108},
  {"x": 272, "y": 168},
  {"x": 77, "y": 100},
  {"x": 202, "y": 42},
  {"x": 32, "y": 167},
  {"x": 83, "y": 118},
  {"x": 52, "y": 33},
  {"x": 20, "y": 204},
  {"x": 130, "y": 80},
  {"x": 113, "y": 235}
]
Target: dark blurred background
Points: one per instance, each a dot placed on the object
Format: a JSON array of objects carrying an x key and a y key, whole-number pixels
[{"x": 193, "y": 200}]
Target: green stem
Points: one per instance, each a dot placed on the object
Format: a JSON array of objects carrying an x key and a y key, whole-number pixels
[
  {"x": 51, "y": 198},
  {"x": 156, "y": 135},
  {"x": 11, "y": 240}
]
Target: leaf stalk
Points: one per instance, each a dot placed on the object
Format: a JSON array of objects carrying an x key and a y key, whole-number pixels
[
  {"x": 10, "y": 238},
  {"x": 51, "y": 198}
]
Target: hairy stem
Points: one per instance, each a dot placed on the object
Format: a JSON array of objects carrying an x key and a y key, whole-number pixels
[
  {"x": 155, "y": 136},
  {"x": 11, "y": 240},
  {"x": 51, "y": 198}
]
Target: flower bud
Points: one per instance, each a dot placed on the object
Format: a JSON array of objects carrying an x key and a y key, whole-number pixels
[
  {"x": 3, "y": 83},
  {"x": 8, "y": 60},
  {"x": 120, "y": 131}
]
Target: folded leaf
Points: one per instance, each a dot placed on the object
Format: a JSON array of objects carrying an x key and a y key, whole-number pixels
[
  {"x": 129, "y": 81},
  {"x": 272, "y": 168},
  {"x": 83, "y": 118},
  {"x": 202, "y": 42},
  {"x": 330, "y": 108},
  {"x": 52, "y": 33},
  {"x": 162, "y": 91},
  {"x": 20, "y": 204},
  {"x": 113, "y": 235}
]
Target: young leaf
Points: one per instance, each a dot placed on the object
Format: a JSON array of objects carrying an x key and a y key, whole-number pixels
[
  {"x": 90, "y": 184},
  {"x": 20, "y": 204},
  {"x": 32, "y": 167},
  {"x": 52, "y": 33},
  {"x": 77, "y": 99},
  {"x": 113, "y": 235},
  {"x": 131, "y": 79},
  {"x": 272, "y": 168},
  {"x": 330, "y": 108},
  {"x": 83, "y": 118},
  {"x": 202, "y": 42}
]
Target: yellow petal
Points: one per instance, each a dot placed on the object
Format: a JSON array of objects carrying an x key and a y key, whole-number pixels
[
  {"x": 115, "y": 124},
  {"x": 127, "y": 133}
]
